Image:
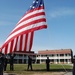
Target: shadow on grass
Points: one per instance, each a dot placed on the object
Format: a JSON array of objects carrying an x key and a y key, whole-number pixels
[{"x": 52, "y": 70}]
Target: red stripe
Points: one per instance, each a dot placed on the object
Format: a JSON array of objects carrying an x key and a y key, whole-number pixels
[
  {"x": 21, "y": 42},
  {"x": 11, "y": 46},
  {"x": 26, "y": 42},
  {"x": 6, "y": 49},
  {"x": 16, "y": 44}
]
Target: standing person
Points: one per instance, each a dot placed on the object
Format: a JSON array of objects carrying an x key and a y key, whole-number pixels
[
  {"x": 29, "y": 63},
  {"x": 73, "y": 61},
  {"x": 5, "y": 62},
  {"x": 47, "y": 63},
  {"x": 1, "y": 63},
  {"x": 11, "y": 60}
]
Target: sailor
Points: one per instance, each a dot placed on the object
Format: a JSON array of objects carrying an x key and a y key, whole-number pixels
[
  {"x": 1, "y": 63},
  {"x": 47, "y": 63},
  {"x": 73, "y": 61}
]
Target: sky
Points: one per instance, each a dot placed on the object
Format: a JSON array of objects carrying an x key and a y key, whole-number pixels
[{"x": 60, "y": 17}]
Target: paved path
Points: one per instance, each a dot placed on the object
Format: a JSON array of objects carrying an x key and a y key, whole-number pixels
[
  {"x": 69, "y": 73},
  {"x": 5, "y": 74},
  {"x": 8, "y": 74}
]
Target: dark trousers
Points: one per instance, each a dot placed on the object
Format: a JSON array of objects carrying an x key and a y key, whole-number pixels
[
  {"x": 1, "y": 70},
  {"x": 5, "y": 66},
  {"x": 29, "y": 65},
  {"x": 11, "y": 67},
  {"x": 73, "y": 71},
  {"x": 47, "y": 67}
]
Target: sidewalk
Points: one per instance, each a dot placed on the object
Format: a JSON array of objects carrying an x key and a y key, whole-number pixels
[
  {"x": 68, "y": 73},
  {"x": 8, "y": 74},
  {"x": 5, "y": 74}
]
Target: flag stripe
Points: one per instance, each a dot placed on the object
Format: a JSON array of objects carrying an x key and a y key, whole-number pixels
[
  {"x": 26, "y": 42},
  {"x": 14, "y": 44},
  {"x": 31, "y": 40},
  {"x": 11, "y": 47},
  {"x": 23, "y": 41}
]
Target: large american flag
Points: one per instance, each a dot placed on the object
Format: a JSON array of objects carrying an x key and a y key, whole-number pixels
[{"x": 21, "y": 37}]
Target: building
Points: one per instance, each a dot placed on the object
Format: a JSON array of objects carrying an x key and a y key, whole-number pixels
[
  {"x": 56, "y": 56},
  {"x": 22, "y": 57}
]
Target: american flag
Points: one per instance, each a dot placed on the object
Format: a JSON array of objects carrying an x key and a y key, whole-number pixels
[{"x": 21, "y": 37}]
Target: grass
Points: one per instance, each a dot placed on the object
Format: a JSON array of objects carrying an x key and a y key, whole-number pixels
[{"x": 21, "y": 69}]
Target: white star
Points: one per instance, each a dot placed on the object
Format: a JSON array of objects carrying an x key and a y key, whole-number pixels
[
  {"x": 41, "y": 5},
  {"x": 33, "y": 7},
  {"x": 37, "y": 2},
  {"x": 33, "y": 1}
]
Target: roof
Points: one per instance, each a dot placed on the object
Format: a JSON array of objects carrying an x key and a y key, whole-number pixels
[
  {"x": 60, "y": 51},
  {"x": 26, "y": 53}
]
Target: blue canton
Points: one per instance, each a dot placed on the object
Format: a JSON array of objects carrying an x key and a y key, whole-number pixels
[{"x": 36, "y": 4}]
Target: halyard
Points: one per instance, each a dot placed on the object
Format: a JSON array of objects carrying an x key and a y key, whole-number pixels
[{"x": 39, "y": 69}]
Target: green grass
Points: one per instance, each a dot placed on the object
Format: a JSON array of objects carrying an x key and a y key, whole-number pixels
[{"x": 22, "y": 68}]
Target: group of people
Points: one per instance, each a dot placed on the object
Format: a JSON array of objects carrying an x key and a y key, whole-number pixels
[
  {"x": 4, "y": 60},
  {"x": 9, "y": 58}
]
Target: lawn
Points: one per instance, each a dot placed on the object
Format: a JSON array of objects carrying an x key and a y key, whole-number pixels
[{"x": 38, "y": 69}]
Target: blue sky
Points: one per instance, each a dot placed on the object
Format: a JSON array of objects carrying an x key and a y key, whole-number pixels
[{"x": 60, "y": 15}]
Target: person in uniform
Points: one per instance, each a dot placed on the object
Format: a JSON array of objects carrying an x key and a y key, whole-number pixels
[
  {"x": 1, "y": 63},
  {"x": 11, "y": 60},
  {"x": 47, "y": 63},
  {"x": 5, "y": 62},
  {"x": 29, "y": 63},
  {"x": 73, "y": 61}
]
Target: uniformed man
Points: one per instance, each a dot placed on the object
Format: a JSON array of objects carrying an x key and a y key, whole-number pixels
[
  {"x": 5, "y": 62},
  {"x": 29, "y": 63},
  {"x": 1, "y": 63},
  {"x": 73, "y": 61},
  {"x": 47, "y": 63},
  {"x": 11, "y": 60}
]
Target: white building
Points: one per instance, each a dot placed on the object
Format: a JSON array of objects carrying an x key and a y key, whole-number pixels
[{"x": 55, "y": 56}]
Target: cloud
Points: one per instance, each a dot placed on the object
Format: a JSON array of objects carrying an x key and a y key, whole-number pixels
[{"x": 62, "y": 12}]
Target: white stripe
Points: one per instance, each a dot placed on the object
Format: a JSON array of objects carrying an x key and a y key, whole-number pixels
[
  {"x": 3, "y": 50},
  {"x": 9, "y": 46},
  {"x": 14, "y": 43},
  {"x": 18, "y": 43},
  {"x": 26, "y": 28},
  {"x": 32, "y": 13},
  {"x": 23, "y": 42},
  {"x": 29, "y": 20},
  {"x": 28, "y": 42}
]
